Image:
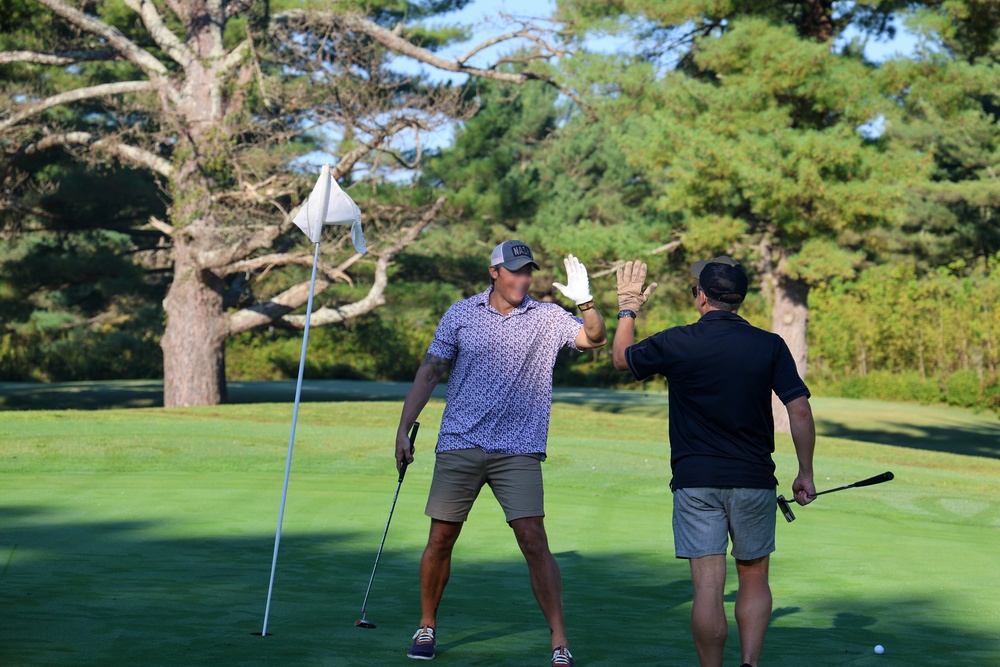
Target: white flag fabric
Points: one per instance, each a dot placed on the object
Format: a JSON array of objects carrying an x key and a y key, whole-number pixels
[{"x": 328, "y": 204}]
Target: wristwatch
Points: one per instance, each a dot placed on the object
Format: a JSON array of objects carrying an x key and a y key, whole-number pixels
[{"x": 624, "y": 312}]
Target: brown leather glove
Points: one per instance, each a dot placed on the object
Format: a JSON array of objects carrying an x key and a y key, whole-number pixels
[{"x": 631, "y": 296}]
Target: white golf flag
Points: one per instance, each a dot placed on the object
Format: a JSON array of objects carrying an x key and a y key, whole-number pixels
[{"x": 329, "y": 205}]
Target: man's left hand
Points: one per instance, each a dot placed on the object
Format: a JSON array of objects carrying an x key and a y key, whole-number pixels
[{"x": 578, "y": 282}]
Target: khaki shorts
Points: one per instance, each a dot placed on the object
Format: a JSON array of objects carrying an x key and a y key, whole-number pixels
[
  {"x": 705, "y": 519},
  {"x": 516, "y": 481}
]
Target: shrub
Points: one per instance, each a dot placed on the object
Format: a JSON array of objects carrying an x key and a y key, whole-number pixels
[
  {"x": 962, "y": 388},
  {"x": 887, "y": 386}
]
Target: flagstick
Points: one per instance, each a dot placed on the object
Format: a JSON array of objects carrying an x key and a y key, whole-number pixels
[{"x": 291, "y": 439}]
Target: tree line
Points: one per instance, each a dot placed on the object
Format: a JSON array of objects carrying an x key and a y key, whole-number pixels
[{"x": 862, "y": 196}]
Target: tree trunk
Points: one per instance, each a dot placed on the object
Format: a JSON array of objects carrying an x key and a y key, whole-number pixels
[
  {"x": 790, "y": 320},
  {"x": 194, "y": 364}
]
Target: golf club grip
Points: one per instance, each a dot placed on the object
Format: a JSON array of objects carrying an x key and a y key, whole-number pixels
[
  {"x": 413, "y": 437},
  {"x": 877, "y": 479}
]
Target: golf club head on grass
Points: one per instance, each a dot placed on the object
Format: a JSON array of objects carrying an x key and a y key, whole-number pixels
[{"x": 365, "y": 623}]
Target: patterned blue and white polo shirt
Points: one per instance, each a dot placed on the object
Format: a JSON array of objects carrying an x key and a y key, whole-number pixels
[{"x": 500, "y": 386}]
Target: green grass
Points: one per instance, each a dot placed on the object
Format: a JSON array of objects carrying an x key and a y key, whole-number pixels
[{"x": 145, "y": 537}]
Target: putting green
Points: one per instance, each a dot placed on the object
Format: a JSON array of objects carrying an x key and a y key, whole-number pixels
[{"x": 145, "y": 537}]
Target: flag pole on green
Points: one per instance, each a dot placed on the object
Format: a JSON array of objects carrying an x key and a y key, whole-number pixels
[{"x": 328, "y": 204}]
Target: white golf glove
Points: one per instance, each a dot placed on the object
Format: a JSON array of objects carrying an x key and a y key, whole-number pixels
[{"x": 578, "y": 287}]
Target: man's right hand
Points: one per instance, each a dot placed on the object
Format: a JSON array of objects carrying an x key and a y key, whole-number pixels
[
  {"x": 630, "y": 279},
  {"x": 804, "y": 490},
  {"x": 403, "y": 447}
]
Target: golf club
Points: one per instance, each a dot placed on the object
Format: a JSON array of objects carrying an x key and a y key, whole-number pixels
[
  {"x": 877, "y": 479},
  {"x": 786, "y": 509},
  {"x": 364, "y": 622}
]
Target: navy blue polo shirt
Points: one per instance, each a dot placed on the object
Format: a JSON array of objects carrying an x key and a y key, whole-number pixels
[{"x": 720, "y": 373}]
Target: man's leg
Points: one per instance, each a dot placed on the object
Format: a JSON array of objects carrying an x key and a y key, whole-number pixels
[
  {"x": 753, "y": 606},
  {"x": 435, "y": 568},
  {"x": 546, "y": 582},
  {"x": 708, "y": 617}
]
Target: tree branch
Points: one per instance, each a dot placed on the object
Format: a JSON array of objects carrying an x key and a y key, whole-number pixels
[
  {"x": 269, "y": 261},
  {"x": 165, "y": 228},
  {"x": 102, "y": 90},
  {"x": 397, "y": 43},
  {"x": 146, "y": 61},
  {"x": 278, "y": 308},
  {"x": 235, "y": 57},
  {"x": 490, "y": 42},
  {"x": 59, "y": 58},
  {"x": 179, "y": 9},
  {"x": 136, "y": 156},
  {"x": 161, "y": 34},
  {"x": 405, "y": 47}
]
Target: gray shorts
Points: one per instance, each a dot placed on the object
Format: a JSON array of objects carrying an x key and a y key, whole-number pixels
[
  {"x": 705, "y": 519},
  {"x": 516, "y": 481}
]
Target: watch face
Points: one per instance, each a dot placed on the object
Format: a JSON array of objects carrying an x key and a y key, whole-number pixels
[{"x": 626, "y": 313}]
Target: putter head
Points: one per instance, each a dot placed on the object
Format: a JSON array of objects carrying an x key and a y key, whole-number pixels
[
  {"x": 364, "y": 623},
  {"x": 786, "y": 509}
]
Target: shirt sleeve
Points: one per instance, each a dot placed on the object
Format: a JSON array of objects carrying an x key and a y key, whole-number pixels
[
  {"x": 647, "y": 358},
  {"x": 787, "y": 384},
  {"x": 570, "y": 328},
  {"x": 445, "y": 343}
]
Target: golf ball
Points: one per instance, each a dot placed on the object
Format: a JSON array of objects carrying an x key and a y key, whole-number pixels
[{"x": 879, "y": 649}]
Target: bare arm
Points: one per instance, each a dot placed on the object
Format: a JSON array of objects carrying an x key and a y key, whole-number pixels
[
  {"x": 624, "y": 338},
  {"x": 803, "y": 428},
  {"x": 428, "y": 376},
  {"x": 594, "y": 333}
]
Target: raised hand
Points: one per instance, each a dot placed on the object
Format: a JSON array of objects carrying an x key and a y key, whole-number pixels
[
  {"x": 577, "y": 285},
  {"x": 631, "y": 296}
]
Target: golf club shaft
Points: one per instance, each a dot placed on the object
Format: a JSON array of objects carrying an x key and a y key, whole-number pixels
[
  {"x": 877, "y": 479},
  {"x": 402, "y": 473}
]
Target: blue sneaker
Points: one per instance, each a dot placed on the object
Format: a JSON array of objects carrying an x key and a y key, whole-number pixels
[
  {"x": 561, "y": 657},
  {"x": 423, "y": 644}
]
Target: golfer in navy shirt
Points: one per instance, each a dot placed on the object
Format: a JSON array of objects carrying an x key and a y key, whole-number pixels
[
  {"x": 720, "y": 373},
  {"x": 500, "y": 347}
]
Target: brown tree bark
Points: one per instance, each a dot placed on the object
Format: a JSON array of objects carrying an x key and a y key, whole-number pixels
[
  {"x": 790, "y": 320},
  {"x": 817, "y": 20},
  {"x": 789, "y": 317},
  {"x": 193, "y": 343}
]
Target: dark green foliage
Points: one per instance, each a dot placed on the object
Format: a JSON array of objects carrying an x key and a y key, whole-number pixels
[
  {"x": 897, "y": 334},
  {"x": 75, "y": 307},
  {"x": 492, "y": 169},
  {"x": 372, "y": 347},
  {"x": 963, "y": 388}
]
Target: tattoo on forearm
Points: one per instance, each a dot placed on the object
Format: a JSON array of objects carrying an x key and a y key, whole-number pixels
[{"x": 437, "y": 366}]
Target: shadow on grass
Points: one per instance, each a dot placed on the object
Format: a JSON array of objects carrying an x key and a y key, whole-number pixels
[
  {"x": 149, "y": 393},
  {"x": 123, "y": 592},
  {"x": 980, "y": 439}
]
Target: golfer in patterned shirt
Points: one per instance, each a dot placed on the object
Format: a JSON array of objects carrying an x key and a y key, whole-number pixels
[{"x": 500, "y": 346}]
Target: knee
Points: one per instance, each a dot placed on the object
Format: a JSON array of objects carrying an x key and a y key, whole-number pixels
[
  {"x": 531, "y": 539},
  {"x": 442, "y": 540},
  {"x": 753, "y": 572}
]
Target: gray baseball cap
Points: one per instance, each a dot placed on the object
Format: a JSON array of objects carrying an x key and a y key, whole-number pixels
[{"x": 512, "y": 255}]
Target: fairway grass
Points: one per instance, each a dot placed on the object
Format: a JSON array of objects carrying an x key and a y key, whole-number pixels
[{"x": 145, "y": 537}]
